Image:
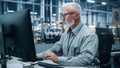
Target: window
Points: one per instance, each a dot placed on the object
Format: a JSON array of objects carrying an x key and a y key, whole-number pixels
[
  {"x": 54, "y": 13},
  {"x": 47, "y": 11}
]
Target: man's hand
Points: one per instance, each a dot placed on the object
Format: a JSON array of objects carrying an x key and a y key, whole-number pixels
[{"x": 51, "y": 56}]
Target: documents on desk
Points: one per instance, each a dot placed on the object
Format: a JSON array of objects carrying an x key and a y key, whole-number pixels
[{"x": 14, "y": 65}]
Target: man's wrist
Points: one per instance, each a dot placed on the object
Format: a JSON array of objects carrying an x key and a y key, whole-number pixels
[{"x": 61, "y": 60}]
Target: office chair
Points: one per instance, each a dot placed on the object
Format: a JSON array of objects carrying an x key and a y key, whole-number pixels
[
  {"x": 105, "y": 38},
  {"x": 104, "y": 51}
]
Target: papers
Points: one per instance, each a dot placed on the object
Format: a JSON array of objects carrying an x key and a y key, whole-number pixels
[{"x": 15, "y": 65}]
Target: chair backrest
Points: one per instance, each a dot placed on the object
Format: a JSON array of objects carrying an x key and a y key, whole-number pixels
[
  {"x": 105, "y": 45},
  {"x": 104, "y": 49}
]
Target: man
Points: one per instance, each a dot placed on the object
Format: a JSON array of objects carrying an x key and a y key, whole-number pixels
[{"x": 76, "y": 47}]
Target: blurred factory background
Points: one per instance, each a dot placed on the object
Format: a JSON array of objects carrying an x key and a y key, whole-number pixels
[
  {"x": 102, "y": 16},
  {"x": 46, "y": 19}
]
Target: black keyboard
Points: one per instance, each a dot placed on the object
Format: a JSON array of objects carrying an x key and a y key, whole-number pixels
[{"x": 47, "y": 65}]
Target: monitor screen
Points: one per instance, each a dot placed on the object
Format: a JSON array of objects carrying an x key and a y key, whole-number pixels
[{"x": 18, "y": 35}]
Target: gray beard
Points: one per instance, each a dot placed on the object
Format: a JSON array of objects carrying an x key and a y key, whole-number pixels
[{"x": 68, "y": 25}]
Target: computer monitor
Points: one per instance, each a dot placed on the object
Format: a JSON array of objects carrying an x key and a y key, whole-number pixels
[{"x": 18, "y": 35}]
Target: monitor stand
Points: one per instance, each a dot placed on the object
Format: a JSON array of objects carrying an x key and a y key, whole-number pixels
[
  {"x": 2, "y": 47},
  {"x": 3, "y": 61}
]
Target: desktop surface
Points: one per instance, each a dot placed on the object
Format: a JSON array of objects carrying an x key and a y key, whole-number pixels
[
  {"x": 116, "y": 47},
  {"x": 19, "y": 64}
]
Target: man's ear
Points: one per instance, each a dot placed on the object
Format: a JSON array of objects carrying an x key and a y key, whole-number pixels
[{"x": 76, "y": 15}]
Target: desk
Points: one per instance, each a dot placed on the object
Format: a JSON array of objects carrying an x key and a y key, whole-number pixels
[
  {"x": 15, "y": 63},
  {"x": 117, "y": 53},
  {"x": 115, "y": 57}
]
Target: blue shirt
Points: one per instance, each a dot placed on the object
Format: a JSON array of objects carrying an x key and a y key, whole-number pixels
[{"x": 76, "y": 48}]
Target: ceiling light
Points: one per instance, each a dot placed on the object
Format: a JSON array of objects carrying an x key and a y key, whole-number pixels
[
  {"x": 10, "y": 11},
  {"x": 54, "y": 14},
  {"x": 91, "y": 1},
  {"x": 103, "y": 3},
  {"x": 33, "y": 13}
]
